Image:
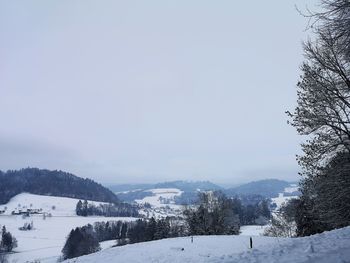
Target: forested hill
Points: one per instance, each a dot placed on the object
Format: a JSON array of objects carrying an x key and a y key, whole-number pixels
[
  {"x": 55, "y": 183},
  {"x": 267, "y": 188}
]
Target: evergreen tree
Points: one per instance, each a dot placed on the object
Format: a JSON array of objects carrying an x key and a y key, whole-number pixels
[
  {"x": 81, "y": 241},
  {"x": 84, "y": 210},
  {"x": 79, "y": 208},
  {"x": 124, "y": 230},
  {"x": 118, "y": 227},
  {"x": 150, "y": 230},
  {"x": 137, "y": 231},
  {"x": 162, "y": 230}
]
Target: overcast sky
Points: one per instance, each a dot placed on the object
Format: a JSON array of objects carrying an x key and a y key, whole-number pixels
[{"x": 147, "y": 91}]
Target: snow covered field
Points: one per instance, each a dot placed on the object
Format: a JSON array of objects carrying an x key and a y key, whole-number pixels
[
  {"x": 281, "y": 199},
  {"x": 252, "y": 230},
  {"x": 159, "y": 194},
  {"x": 48, "y": 237},
  {"x": 328, "y": 247},
  {"x": 162, "y": 202}
]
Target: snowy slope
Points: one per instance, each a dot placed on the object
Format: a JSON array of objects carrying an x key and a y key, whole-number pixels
[
  {"x": 159, "y": 194},
  {"x": 281, "y": 199},
  {"x": 162, "y": 203},
  {"x": 333, "y": 246},
  {"x": 49, "y": 234},
  {"x": 292, "y": 188},
  {"x": 58, "y": 206}
]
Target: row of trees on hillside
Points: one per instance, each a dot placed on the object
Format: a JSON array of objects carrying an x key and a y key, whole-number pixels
[
  {"x": 81, "y": 241},
  {"x": 85, "y": 240},
  {"x": 323, "y": 115},
  {"x": 119, "y": 209}
]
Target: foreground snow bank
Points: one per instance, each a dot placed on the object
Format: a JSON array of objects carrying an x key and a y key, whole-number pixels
[{"x": 333, "y": 246}]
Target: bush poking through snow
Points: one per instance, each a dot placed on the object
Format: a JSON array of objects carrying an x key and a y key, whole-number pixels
[
  {"x": 27, "y": 226},
  {"x": 8, "y": 242}
]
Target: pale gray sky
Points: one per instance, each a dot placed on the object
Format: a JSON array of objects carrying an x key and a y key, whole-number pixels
[{"x": 145, "y": 91}]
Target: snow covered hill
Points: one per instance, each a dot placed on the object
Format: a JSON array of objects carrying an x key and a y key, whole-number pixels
[
  {"x": 57, "y": 206},
  {"x": 330, "y": 247},
  {"x": 49, "y": 235}
]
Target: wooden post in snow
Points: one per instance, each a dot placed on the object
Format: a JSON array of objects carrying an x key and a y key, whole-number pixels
[{"x": 251, "y": 242}]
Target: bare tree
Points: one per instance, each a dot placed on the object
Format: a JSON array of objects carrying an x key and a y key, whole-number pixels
[
  {"x": 334, "y": 18},
  {"x": 283, "y": 221},
  {"x": 323, "y": 115},
  {"x": 323, "y": 102}
]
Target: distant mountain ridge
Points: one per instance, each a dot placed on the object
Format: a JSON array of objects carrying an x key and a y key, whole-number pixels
[
  {"x": 53, "y": 183},
  {"x": 267, "y": 188},
  {"x": 189, "y": 185},
  {"x": 132, "y": 192},
  {"x": 179, "y": 184}
]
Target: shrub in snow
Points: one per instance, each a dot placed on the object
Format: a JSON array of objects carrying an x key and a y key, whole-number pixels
[
  {"x": 27, "y": 226},
  {"x": 8, "y": 242}
]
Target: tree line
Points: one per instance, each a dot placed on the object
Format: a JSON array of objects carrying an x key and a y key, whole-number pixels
[
  {"x": 85, "y": 240},
  {"x": 119, "y": 209}
]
